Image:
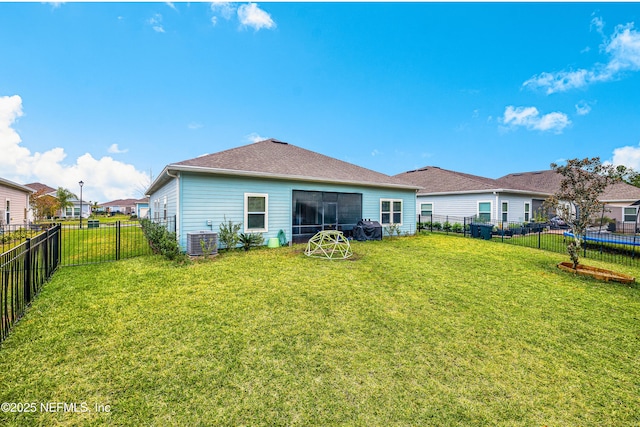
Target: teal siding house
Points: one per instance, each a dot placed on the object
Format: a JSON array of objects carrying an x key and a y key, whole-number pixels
[{"x": 272, "y": 185}]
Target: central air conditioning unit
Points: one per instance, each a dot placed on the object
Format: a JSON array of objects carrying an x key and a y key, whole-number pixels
[{"x": 202, "y": 241}]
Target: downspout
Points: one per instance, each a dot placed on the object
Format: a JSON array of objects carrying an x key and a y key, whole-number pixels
[
  {"x": 497, "y": 211},
  {"x": 177, "y": 178}
]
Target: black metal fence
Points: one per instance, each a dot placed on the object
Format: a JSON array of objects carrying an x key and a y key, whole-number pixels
[
  {"x": 24, "y": 269},
  {"x": 98, "y": 242},
  {"x": 620, "y": 244},
  {"x": 445, "y": 224},
  {"x": 14, "y": 235}
]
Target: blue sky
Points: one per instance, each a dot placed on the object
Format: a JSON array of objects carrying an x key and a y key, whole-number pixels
[{"x": 108, "y": 93}]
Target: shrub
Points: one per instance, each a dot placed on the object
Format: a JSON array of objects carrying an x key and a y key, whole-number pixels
[
  {"x": 437, "y": 226},
  {"x": 456, "y": 227},
  {"x": 392, "y": 229},
  {"x": 161, "y": 240},
  {"x": 250, "y": 239},
  {"x": 228, "y": 233},
  {"x": 446, "y": 226}
]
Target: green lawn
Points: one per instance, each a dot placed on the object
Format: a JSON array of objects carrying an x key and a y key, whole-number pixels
[{"x": 426, "y": 331}]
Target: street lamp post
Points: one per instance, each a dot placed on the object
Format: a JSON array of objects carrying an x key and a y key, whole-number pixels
[{"x": 81, "y": 184}]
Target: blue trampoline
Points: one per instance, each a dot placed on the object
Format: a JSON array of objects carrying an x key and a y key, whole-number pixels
[{"x": 616, "y": 239}]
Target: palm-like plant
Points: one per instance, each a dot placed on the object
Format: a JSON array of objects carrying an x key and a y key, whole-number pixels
[{"x": 65, "y": 198}]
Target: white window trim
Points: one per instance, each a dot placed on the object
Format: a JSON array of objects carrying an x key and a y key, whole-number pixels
[
  {"x": 524, "y": 211},
  {"x": 629, "y": 207},
  {"x": 490, "y": 208},
  {"x": 502, "y": 212},
  {"x": 246, "y": 213},
  {"x": 433, "y": 205},
  {"x": 391, "y": 211}
]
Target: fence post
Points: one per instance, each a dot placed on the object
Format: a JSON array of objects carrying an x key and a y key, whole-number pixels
[
  {"x": 45, "y": 251},
  {"x": 117, "y": 240},
  {"x": 27, "y": 272},
  {"x": 539, "y": 238}
]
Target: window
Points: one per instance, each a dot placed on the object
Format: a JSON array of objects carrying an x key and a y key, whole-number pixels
[
  {"x": 390, "y": 211},
  {"x": 255, "y": 212},
  {"x": 8, "y": 212},
  {"x": 630, "y": 214},
  {"x": 484, "y": 211},
  {"x": 164, "y": 208},
  {"x": 426, "y": 209},
  {"x": 527, "y": 211},
  {"x": 505, "y": 211}
]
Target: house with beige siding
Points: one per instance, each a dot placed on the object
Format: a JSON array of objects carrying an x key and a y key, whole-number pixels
[
  {"x": 14, "y": 203},
  {"x": 272, "y": 185}
]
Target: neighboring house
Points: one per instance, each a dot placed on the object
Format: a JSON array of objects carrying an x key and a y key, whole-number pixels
[
  {"x": 516, "y": 197},
  {"x": 69, "y": 211},
  {"x": 122, "y": 206},
  {"x": 142, "y": 208},
  {"x": 621, "y": 199},
  {"x": 459, "y": 195},
  {"x": 14, "y": 203},
  {"x": 270, "y": 186}
]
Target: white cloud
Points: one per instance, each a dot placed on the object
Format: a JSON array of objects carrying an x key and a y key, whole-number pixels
[
  {"x": 194, "y": 126},
  {"x": 627, "y": 156},
  {"x": 171, "y": 5},
  {"x": 530, "y": 118},
  {"x": 583, "y": 108},
  {"x": 223, "y": 9},
  {"x": 250, "y": 15},
  {"x": 156, "y": 23},
  {"x": 254, "y": 137},
  {"x": 114, "y": 149},
  {"x": 105, "y": 178},
  {"x": 375, "y": 152},
  {"x": 623, "y": 49},
  {"x": 598, "y": 24}
]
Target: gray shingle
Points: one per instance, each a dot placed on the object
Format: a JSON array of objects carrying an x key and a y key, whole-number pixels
[{"x": 281, "y": 159}]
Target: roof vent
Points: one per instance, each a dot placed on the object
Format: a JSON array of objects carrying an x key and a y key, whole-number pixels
[{"x": 279, "y": 142}]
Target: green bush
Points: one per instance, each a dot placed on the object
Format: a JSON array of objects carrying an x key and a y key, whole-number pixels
[
  {"x": 228, "y": 233},
  {"x": 392, "y": 229},
  {"x": 457, "y": 227},
  {"x": 161, "y": 240},
  {"x": 250, "y": 239}
]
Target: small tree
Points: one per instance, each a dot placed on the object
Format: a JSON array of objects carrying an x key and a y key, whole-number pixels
[
  {"x": 43, "y": 205},
  {"x": 64, "y": 197},
  {"x": 577, "y": 200},
  {"x": 228, "y": 233}
]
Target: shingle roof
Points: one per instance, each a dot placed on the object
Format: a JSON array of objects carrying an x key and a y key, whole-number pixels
[
  {"x": 121, "y": 202},
  {"x": 548, "y": 181},
  {"x": 38, "y": 186},
  {"x": 282, "y": 160},
  {"x": 437, "y": 180}
]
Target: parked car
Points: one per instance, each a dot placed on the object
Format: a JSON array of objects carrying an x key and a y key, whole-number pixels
[{"x": 557, "y": 222}]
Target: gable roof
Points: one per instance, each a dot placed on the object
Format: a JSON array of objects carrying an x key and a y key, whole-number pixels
[
  {"x": 37, "y": 186},
  {"x": 15, "y": 185},
  {"x": 435, "y": 180},
  {"x": 123, "y": 202},
  {"x": 280, "y": 160},
  {"x": 548, "y": 181}
]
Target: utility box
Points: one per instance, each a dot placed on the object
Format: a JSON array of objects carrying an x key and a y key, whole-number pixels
[{"x": 201, "y": 242}]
